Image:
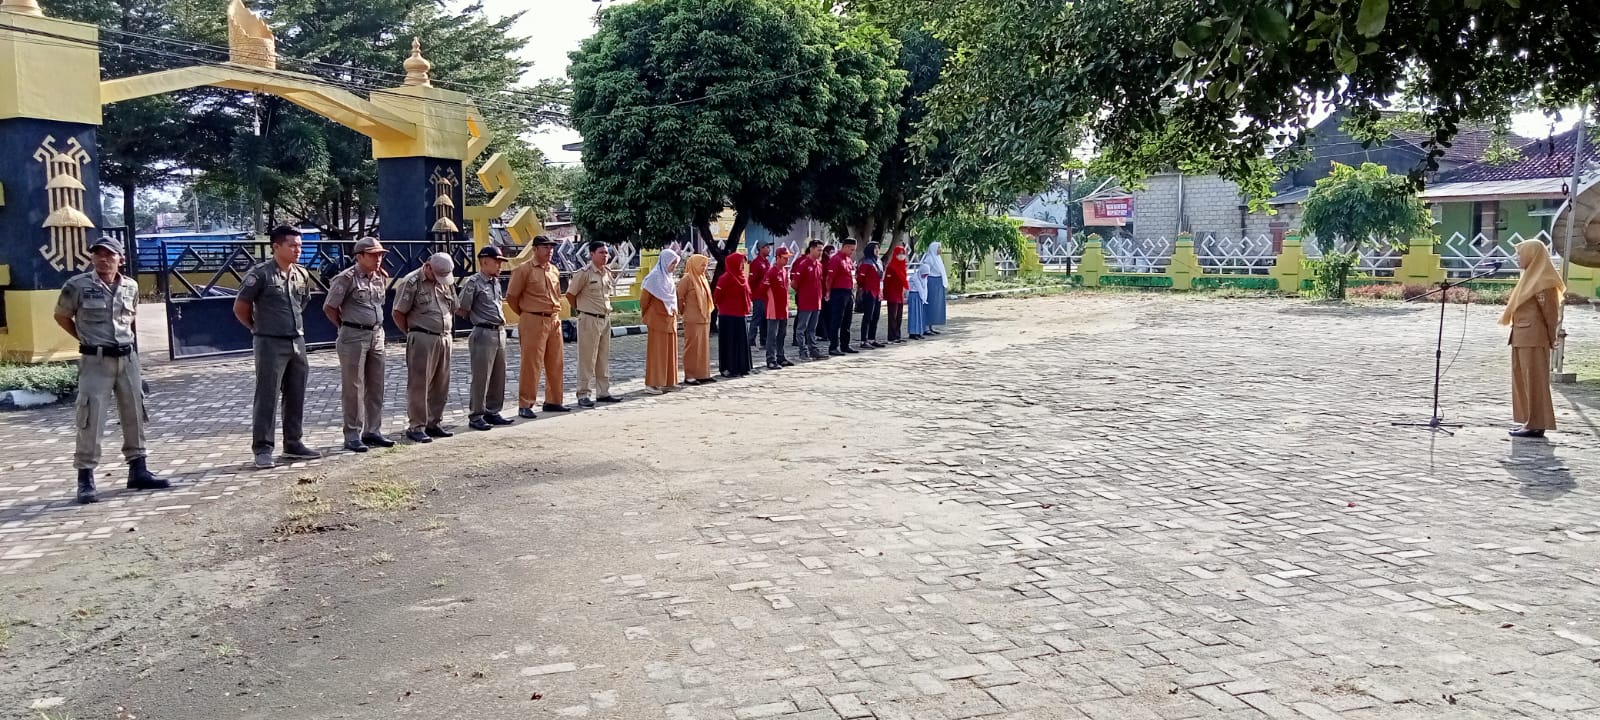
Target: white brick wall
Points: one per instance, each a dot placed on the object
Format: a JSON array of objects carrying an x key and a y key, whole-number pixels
[{"x": 1210, "y": 202}]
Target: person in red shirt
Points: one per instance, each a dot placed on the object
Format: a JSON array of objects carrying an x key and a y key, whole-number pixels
[
  {"x": 896, "y": 279},
  {"x": 777, "y": 295},
  {"x": 841, "y": 283},
  {"x": 806, "y": 278},
  {"x": 825, "y": 317},
  {"x": 732, "y": 299},
  {"x": 869, "y": 295},
  {"x": 758, "y": 299}
]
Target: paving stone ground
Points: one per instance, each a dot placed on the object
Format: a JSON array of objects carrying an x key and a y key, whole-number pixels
[{"x": 1106, "y": 507}]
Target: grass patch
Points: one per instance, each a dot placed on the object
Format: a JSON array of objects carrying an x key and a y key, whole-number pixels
[
  {"x": 306, "y": 508},
  {"x": 381, "y": 558},
  {"x": 385, "y": 495},
  {"x": 438, "y": 583},
  {"x": 5, "y": 634},
  {"x": 624, "y": 319},
  {"x": 434, "y": 524},
  {"x": 982, "y": 285},
  {"x": 58, "y": 378}
]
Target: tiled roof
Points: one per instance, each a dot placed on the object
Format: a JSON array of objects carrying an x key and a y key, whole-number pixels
[{"x": 1542, "y": 159}]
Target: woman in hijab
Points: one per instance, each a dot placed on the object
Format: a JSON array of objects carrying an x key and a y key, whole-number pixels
[
  {"x": 732, "y": 296},
  {"x": 869, "y": 295},
  {"x": 932, "y": 270},
  {"x": 1534, "y": 313},
  {"x": 895, "y": 281},
  {"x": 917, "y": 304},
  {"x": 694, "y": 306},
  {"x": 658, "y": 304}
]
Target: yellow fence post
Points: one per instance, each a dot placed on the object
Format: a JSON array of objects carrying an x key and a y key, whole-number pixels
[
  {"x": 1421, "y": 263},
  {"x": 1030, "y": 264},
  {"x": 1583, "y": 281},
  {"x": 1290, "y": 267},
  {"x": 1093, "y": 264},
  {"x": 647, "y": 261},
  {"x": 1185, "y": 263}
]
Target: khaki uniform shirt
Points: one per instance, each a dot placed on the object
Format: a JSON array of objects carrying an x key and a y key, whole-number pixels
[
  {"x": 358, "y": 296},
  {"x": 590, "y": 290},
  {"x": 535, "y": 289},
  {"x": 481, "y": 297},
  {"x": 104, "y": 313},
  {"x": 427, "y": 305},
  {"x": 279, "y": 298}
]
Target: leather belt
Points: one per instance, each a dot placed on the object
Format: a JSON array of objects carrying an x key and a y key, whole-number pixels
[
  {"x": 593, "y": 315},
  {"x": 358, "y": 326},
  {"x": 426, "y": 332},
  {"x": 540, "y": 314},
  {"x": 487, "y": 326},
  {"x": 110, "y": 351}
]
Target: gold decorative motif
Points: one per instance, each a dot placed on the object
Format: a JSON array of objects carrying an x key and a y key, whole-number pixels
[
  {"x": 444, "y": 181},
  {"x": 22, "y": 7},
  {"x": 250, "y": 41},
  {"x": 68, "y": 249},
  {"x": 417, "y": 66}
]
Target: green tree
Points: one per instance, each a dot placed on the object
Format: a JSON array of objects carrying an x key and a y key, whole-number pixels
[
  {"x": 687, "y": 107},
  {"x": 971, "y": 236},
  {"x": 1357, "y": 206},
  {"x": 845, "y": 178},
  {"x": 1214, "y": 85}
]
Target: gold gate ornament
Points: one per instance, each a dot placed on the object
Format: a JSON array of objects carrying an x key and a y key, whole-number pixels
[{"x": 68, "y": 249}]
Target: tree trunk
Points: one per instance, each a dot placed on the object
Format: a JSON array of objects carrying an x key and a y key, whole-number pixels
[{"x": 130, "y": 226}]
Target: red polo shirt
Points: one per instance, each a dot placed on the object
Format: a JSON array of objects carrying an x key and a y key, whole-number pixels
[
  {"x": 869, "y": 280},
  {"x": 777, "y": 293},
  {"x": 758, "y": 277},
  {"x": 841, "y": 272},
  {"x": 806, "y": 275}
]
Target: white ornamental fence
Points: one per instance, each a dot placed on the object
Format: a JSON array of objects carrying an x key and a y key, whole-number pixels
[
  {"x": 1222, "y": 255},
  {"x": 1463, "y": 257},
  {"x": 1377, "y": 258}
]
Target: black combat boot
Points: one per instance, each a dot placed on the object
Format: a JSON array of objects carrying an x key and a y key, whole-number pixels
[
  {"x": 86, "y": 487},
  {"x": 140, "y": 478}
]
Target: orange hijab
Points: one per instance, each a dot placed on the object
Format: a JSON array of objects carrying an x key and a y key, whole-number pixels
[
  {"x": 694, "y": 283},
  {"x": 1538, "y": 275}
]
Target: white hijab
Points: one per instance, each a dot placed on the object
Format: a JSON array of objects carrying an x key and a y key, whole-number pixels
[
  {"x": 659, "y": 282},
  {"x": 932, "y": 264},
  {"x": 919, "y": 284}
]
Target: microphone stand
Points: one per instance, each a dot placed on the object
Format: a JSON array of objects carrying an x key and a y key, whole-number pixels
[{"x": 1436, "y": 423}]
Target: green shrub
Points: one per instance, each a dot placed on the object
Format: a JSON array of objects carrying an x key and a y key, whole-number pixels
[
  {"x": 58, "y": 378},
  {"x": 1330, "y": 274}
]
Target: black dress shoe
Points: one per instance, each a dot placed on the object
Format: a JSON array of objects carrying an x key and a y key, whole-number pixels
[
  {"x": 376, "y": 440},
  {"x": 526, "y": 413},
  {"x": 585, "y": 403},
  {"x": 355, "y": 446},
  {"x": 86, "y": 492},
  {"x": 702, "y": 381},
  {"x": 497, "y": 419},
  {"x": 140, "y": 477},
  {"x": 785, "y": 363},
  {"x": 418, "y": 436},
  {"x": 1526, "y": 433},
  {"x": 479, "y": 423},
  {"x": 615, "y": 399},
  {"x": 850, "y": 351},
  {"x": 548, "y": 407},
  {"x": 436, "y": 431},
  {"x": 834, "y": 353},
  {"x": 773, "y": 366}
]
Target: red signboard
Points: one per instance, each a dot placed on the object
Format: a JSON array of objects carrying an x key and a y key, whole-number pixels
[{"x": 1114, "y": 208}]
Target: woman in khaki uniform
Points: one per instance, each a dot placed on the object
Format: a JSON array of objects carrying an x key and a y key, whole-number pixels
[
  {"x": 694, "y": 306},
  {"x": 1534, "y": 313}
]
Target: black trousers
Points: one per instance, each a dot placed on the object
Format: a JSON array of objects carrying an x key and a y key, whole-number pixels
[
  {"x": 839, "y": 301},
  {"x": 869, "y": 318},
  {"x": 897, "y": 314}
]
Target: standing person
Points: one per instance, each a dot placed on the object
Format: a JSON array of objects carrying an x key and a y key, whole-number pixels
[
  {"x": 895, "y": 281},
  {"x": 424, "y": 310},
  {"x": 355, "y": 306},
  {"x": 917, "y": 305},
  {"x": 480, "y": 303},
  {"x": 869, "y": 295},
  {"x": 777, "y": 294},
  {"x": 589, "y": 292},
  {"x": 658, "y": 307},
  {"x": 841, "y": 279},
  {"x": 732, "y": 298},
  {"x": 535, "y": 296},
  {"x": 932, "y": 269},
  {"x": 1533, "y": 311},
  {"x": 759, "y": 265},
  {"x": 694, "y": 306},
  {"x": 99, "y": 309},
  {"x": 806, "y": 277},
  {"x": 271, "y": 303},
  {"x": 825, "y": 317}
]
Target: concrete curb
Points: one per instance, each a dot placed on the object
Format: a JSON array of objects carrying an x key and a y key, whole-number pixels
[{"x": 24, "y": 399}]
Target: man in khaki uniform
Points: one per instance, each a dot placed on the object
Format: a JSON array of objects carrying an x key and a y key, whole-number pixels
[
  {"x": 479, "y": 302},
  {"x": 355, "y": 306},
  {"x": 271, "y": 303},
  {"x": 423, "y": 310},
  {"x": 589, "y": 293},
  {"x": 98, "y": 309},
  {"x": 535, "y": 296}
]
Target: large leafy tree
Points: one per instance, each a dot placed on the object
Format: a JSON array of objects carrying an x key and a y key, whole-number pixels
[
  {"x": 970, "y": 235},
  {"x": 1354, "y": 206},
  {"x": 1214, "y": 85},
  {"x": 845, "y": 180},
  {"x": 688, "y": 107}
]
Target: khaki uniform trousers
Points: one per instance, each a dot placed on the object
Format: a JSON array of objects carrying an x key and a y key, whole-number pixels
[
  {"x": 540, "y": 338},
  {"x": 427, "y": 378},
  {"x": 361, "y": 380},
  {"x": 100, "y": 380},
  {"x": 486, "y": 355},
  {"x": 1531, "y": 403},
  {"x": 594, "y": 356}
]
